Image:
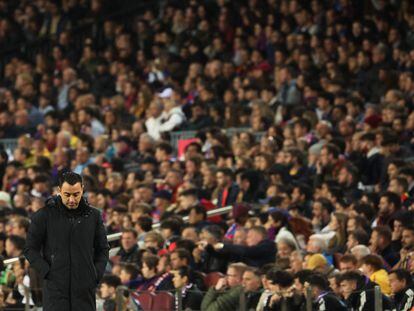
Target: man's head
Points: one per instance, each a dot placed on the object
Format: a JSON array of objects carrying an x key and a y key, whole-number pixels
[
  {"x": 389, "y": 203},
  {"x": 70, "y": 189},
  {"x": 128, "y": 273},
  {"x": 255, "y": 235},
  {"x": 129, "y": 239},
  {"x": 182, "y": 276},
  {"x": 235, "y": 273},
  {"x": 407, "y": 238},
  {"x": 380, "y": 237},
  {"x": 109, "y": 284},
  {"x": 224, "y": 177},
  {"x": 347, "y": 263},
  {"x": 349, "y": 282},
  {"x": 180, "y": 257},
  {"x": 399, "y": 280},
  {"x": 14, "y": 245},
  {"x": 197, "y": 214},
  {"x": 318, "y": 282},
  {"x": 251, "y": 280},
  {"x": 188, "y": 198}
]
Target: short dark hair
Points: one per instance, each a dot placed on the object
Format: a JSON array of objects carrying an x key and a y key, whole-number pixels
[
  {"x": 227, "y": 172},
  {"x": 392, "y": 198},
  {"x": 280, "y": 277},
  {"x": 70, "y": 177},
  {"x": 303, "y": 275},
  {"x": 151, "y": 261},
  {"x": 351, "y": 276},
  {"x": 360, "y": 236},
  {"x": 17, "y": 241},
  {"x": 199, "y": 209},
  {"x": 182, "y": 253},
  {"x": 164, "y": 146},
  {"x": 186, "y": 271},
  {"x": 173, "y": 224},
  {"x": 145, "y": 222},
  {"x": 403, "y": 274},
  {"x": 349, "y": 258},
  {"x": 318, "y": 280},
  {"x": 131, "y": 269},
  {"x": 374, "y": 261},
  {"x": 111, "y": 280},
  {"x": 130, "y": 230},
  {"x": 384, "y": 232}
]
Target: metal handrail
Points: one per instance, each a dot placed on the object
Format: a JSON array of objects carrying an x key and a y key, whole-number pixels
[{"x": 117, "y": 236}]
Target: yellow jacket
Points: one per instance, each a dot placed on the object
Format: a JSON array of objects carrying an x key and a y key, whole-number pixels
[{"x": 381, "y": 278}]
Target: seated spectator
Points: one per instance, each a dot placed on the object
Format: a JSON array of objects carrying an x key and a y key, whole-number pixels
[
  {"x": 348, "y": 262},
  {"x": 357, "y": 237},
  {"x": 380, "y": 243},
  {"x": 322, "y": 298},
  {"x": 282, "y": 292},
  {"x": 252, "y": 284},
  {"x": 151, "y": 280},
  {"x": 258, "y": 251},
  {"x": 108, "y": 288},
  {"x": 205, "y": 260},
  {"x": 358, "y": 292},
  {"x": 190, "y": 294},
  {"x": 128, "y": 275},
  {"x": 372, "y": 267},
  {"x": 226, "y": 294},
  {"x": 402, "y": 289},
  {"x": 318, "y": 263},
  {"x": 129, "y": 251},
  {"x": 181, "y": 257}
]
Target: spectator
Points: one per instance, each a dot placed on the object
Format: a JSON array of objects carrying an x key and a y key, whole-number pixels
[
  {"x": 258, "y": 251},
  {"x": 226, "y": 294},
  {"x": 129, "y": 247}
]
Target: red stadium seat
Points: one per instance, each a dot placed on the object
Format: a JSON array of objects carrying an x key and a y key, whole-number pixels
[
  {"x": 163, "y": 301},
  {"x": 212, "y": 278},
  {"x": 145, "y": 299}
]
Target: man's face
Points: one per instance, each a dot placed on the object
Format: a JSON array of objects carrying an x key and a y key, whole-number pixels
[
  {"x": 346, "y": 266},
  {"x": 374, "y": 240},
  {"x": 128, "y": 241},
  {"x": 351, "y": 242},
  {"x": 221, "y": 179},
  {"x": 253, "y": 238},
  {"x": 176, "y": 261},
  {"x": 250, "y": 282},
  {"x": 407, "y": 239},
  {"x": 384, "y": 207},
  {"x": 178, "y": 280},
  {"x": 233, "y": 277},
  {"x": 396, "y": 284},
  {"x": 71, "y": 194},
  {"x": 347, "y": 287},
  {"x": 106, "y": 291},
  {"x": 124, "y": 276}
]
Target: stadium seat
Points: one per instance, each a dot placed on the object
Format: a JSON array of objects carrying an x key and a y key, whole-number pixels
[
  {"x": 145, "y": 299},
  {"x": 163, "y": 301},
  {"x": 212, "y": 278}
]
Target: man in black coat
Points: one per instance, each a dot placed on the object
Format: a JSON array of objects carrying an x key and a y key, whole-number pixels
[{"x": 67, "y": 245}]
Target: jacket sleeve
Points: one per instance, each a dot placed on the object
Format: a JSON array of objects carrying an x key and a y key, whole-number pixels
[
  {"x": 101, "y": 247},
  {"x": 239, "y": 251},
  {"x": 35, "y": 241},
  {"x": 227, "y": 301}
]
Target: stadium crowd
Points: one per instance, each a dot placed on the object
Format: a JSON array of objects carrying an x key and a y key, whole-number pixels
[{"x": 324, "y": 199}]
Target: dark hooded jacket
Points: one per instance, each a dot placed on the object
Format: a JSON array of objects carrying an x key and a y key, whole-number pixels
[{"x": 69, "y": 249}]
